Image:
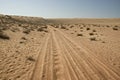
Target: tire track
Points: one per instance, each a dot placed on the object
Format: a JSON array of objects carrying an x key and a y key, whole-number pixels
[
  {"x": 37, "y": 73},
  {"x": 60, "y": 58},
  {"x": 93, "y": 64}
]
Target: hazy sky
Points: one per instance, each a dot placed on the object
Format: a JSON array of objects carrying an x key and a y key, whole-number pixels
[{"x": 62, "y": 8}]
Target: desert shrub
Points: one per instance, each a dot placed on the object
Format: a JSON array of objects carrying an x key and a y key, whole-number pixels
[
  {"x": 93, "y": 39},
  {"x": 27, "y": 31},
  {"x": 79, "y": 34},
  {"x": 94, "y": 30},
  {"x": 4, "y": 36},
  {"x": 71, "y": 26},
  {"x": 107, "y": 26},
  {"x": 91, "y": 33},
  {"x": 115, "y": 28},
  {"x": 40, "y": 29},
  {"x": 23, "y": 38},
  {"x": 45, "y": 27},
  {"x": 30, "y": 58},
  {"x": 21, "y": 42},
  {"x": 56, "y": 26},
  {"x": 67, "y": 29},
  {"x": 62, "y": 27},
  {"x": 19, "y": 24},
  {"x": 81, "y": 27},
  {"x": 81, "y": 30},
  {"x": 87, "y": 28},
  {"x": 45, "y": 30},
  {"x": 13, "y": 30},
  {"x": 103, "y": 41}
]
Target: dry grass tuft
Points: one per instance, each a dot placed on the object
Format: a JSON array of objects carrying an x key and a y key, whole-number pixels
[
  {"x": 87, "y": 28},
  {"x": 79, "y": 34},
  {"x": 91, "y": 33},
  {"x": 30, "y": 58},
  {"x": 27, "y": 31},
  {"x": 93, "y": 39},
  {"x": 4, "y": 36},
  {"x": 115, "y": 28}
]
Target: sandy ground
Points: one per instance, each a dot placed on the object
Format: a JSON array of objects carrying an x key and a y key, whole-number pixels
[{"x": 68, "y": 51}]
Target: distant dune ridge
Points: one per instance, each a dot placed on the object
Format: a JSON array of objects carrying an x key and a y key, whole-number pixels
[{"x": 36, "y": 48}]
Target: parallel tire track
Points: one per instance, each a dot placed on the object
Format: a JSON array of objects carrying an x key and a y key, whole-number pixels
[{"x": 60, "y": 58}]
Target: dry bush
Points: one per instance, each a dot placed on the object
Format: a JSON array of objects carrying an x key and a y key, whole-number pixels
[
  {"x": 27, "y": 31},
  {"x": 42, "y": 29},
  {"x": 4, "y": 36},
  {"x": 79, "y": 34},
  {"x": 91, "y": 33},
  {"x": 81, "y": 27},
  {"x": 87, "y": 28},
  {"x": 107, "y": 26},
  {"x": 45, "y": 27},
  {"x": 62, "y": 27},
  {"x": 21, "y": 42},
  {"x": 71, "y": 26},
  {"x": 23, "y": 38},
  {"x": 94, "y": 30},
  {"x": 103, "y": 41},
  {"x": 115, "y": 28},
  {"x": 93, "y": 39},
  {"x": 56, "y": 26},
  {"x": 30, "y": 58}
]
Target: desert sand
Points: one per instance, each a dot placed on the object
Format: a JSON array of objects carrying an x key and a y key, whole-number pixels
[{"x": 33, "y": 48}]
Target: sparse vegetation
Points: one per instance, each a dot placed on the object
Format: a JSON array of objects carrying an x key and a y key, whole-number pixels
[
  {"x": 87, "y": 28},
  {"x": 40, "y": 29},
  {"x": 4, "y": 36},
  {"x": 103, "y": 41},
  {"x": 71, "y": 26},
  {"x": 21, "y": 42},
  {"x": 62, "y": 27},
  {"x": 27, "y": 31},
  {"x": 30, "y": 58},
  {"x": 93, "y": 39},
  {"x": 115, "y": 28},
  {"x": 94, "y": 30},
  {"x": 79, "y": 34},
  {"x": 91, "y": 33},
  {"x": 23, "y": 38},
  {"x": 81, "y": 27},
  {"x": 107, "y": 26}
]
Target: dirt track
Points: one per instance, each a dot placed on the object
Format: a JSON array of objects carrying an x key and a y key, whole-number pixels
[{"x": 60, "y": 58}]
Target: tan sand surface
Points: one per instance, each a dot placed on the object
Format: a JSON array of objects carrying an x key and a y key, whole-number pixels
[{"x": 59, "y": 49}]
